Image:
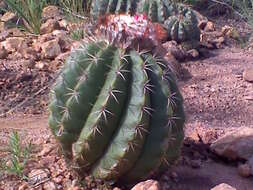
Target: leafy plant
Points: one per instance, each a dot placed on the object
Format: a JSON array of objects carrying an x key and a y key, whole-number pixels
[
  {"x": 15, "y": 163},
  {"x": 30, "y": 11}
]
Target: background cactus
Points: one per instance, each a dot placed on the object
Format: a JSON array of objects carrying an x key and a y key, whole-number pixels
[
  {"x": 156, "y": 10},
  {"x": 116, "y": 110},
  {"x": 180, "y": 20},
  {"x": 183, "y": 26}
]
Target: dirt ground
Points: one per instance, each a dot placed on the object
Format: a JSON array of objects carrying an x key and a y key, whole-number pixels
[{"x": 217, "y": 100}]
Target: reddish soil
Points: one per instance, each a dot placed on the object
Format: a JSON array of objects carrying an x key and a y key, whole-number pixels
[{"x": 216, "y": 101}]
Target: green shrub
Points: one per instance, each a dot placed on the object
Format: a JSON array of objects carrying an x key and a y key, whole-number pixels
[{"x": 30, "y": 11}]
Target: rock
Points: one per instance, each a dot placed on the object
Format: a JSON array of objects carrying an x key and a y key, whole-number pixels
[
  {"x": 227, "y": 30},
  {"x": 244, "y": 170},
  {"x": 47, "y": 148},
  {"x": 24, "y": 186},
  {"x": 13, "y": 44},
  {"x": 173, "y": 64},
  {"x": 235, "y": 145},
  {"x": 28, "y": 64},
  {"x": 16, "y": 32},
  {"x": 171, "y": 46},
  {"x": 4, "y": 34},
  {"x": 51, "y": 12},
  {"x": 3, "y": 53},
  {"x": 248, "y": 75},
  {"x": 219, "y": 41},
  {"x": 230, "y": 32},
  {"x": 49, "y": 186},
  {"x": 63, "y": 23},
  {"x": 41, "y": 65},
  {"x": 147, "y": 185},
  {"x": 209, "y": 27},
  {"x": 193, "y": 53},
  {"x": 44, "y": 38},
  {"x": 9, "y": 17},
  {"x": 74, "y": 185},
  {"x": 211, "y": 37},
  {"x": 38, "y": 175},
  {"x": 30, "y": 53},
  {"x": 64, "y": 40},
  {"x": 223, "y": 186},
  {"x": 58, "y": 179},
  {"x": 7, "y": 20},
  {"x": 51, "y": 49},
  {"x": 202, "y": 24},
  {"x": 49, "y": 26},
  {"x": 63, "y": 56}
]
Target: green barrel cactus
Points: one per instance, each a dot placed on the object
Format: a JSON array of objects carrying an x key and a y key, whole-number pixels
[
  {"x": 183, "y": 26},
  {"x": 180, "y": 20},
  {"x": 156, "y": 10},
  {"x": 117, "y": 112}
]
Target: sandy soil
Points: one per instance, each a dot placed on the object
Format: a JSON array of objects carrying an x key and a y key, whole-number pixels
[{"x": 215, "y": 102}]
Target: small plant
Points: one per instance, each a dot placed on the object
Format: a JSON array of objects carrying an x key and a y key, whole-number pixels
[
  {"x": 30, "y": 11},
  {"x": 76, "y": 7},
  {"x": 77, "y": 34},
  {"x": 16, "y": 161}
]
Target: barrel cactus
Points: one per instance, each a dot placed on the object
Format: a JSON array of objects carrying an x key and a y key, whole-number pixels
[
  {"x": 183, "y": 26},
  {"x": 116, "y": 109},
  {"x": 156, "y": 10},
  {"x": 180, "y": 20}
]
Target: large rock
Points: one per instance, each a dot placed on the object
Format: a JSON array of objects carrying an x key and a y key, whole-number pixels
[
  {"x": 51, "y": 49},
  {"x": 173, "y": 48},
  {"x": 248, "y": 75},
  {"x": 235, "y": 145},
  {"x": 51, "y": 12},
  {"x": 147, "y": 185},
  {"x": 7, "y": 20},
  {"x": 223, "y": 186},
  {"x": 36, "y": 176},
  {"x": 13, "y": 44},
  {"x": 210, "y": 27},
  {"x": 64, "y": 40},
  {"x": 49, "y": 26},
  {"x": 9, "y": 17}
]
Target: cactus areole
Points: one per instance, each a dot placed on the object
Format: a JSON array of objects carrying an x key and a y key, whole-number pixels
[{"x": 116, "y": 109}]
